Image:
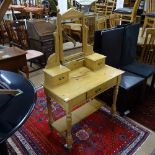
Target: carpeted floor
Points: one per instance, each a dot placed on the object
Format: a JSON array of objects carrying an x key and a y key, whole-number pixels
[
  {"x": 98, "y": 134},
  {"x": 145, "y": 113}
]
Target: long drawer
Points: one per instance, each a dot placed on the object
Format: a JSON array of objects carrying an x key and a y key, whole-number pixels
[{"x": 101, "y": 88}]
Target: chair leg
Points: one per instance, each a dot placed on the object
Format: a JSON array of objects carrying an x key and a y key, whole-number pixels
[
  {"x": 143, "y": 91},
  {"x": 144, "y": 26},
  {"x": 3, "y": 149},
  {"x": 152, "y": 82},
  {"x": 30, "y": 63}
]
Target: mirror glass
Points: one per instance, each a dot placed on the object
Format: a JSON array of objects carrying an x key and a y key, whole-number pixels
[{"x": 72, "y": 39}]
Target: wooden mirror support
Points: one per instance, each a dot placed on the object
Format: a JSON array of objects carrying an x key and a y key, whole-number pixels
[
  {"x": 76, "y": 79},
  {"x": 58, "y": 57}
]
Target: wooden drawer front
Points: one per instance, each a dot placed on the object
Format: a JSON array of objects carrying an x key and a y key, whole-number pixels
[
  {"x": 99, "y": 89},
  {"x": 95, "y": 61},
  {"x": 56, "y": 80},
  {"x": 99, "y": 64},
  {"x": 94, "y": 65},
  {"x": 59, "y": 79},
  {"x": 77, "y": 101},
  {"x": 71, "y": 103}
]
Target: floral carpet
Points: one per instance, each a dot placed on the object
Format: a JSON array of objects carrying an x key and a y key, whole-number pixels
[{"x": 98, "y": 134}]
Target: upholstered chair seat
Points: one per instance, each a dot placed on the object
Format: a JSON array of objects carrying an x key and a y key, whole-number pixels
[
  {"x": 124, "y": 10},
  {"x": 152, "y": 14}
]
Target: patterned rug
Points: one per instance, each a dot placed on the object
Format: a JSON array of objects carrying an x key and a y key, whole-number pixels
[
  {"x": 145, "y": 113},
  {"x": 98, "y": 134}
]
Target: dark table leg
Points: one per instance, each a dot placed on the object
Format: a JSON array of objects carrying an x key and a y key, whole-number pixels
[{"x": 3, "y": 149}]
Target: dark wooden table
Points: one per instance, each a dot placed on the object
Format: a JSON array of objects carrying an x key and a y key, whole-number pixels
[
  {"x": 14, "y": 59},
  {"x": 14, "y": 109}
]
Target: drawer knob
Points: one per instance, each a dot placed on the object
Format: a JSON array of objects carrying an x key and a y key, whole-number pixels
[
  {"x": 99, "y": 63},
  {"x": 98, "y": 90},
  {"x": 61, "y": 78}
]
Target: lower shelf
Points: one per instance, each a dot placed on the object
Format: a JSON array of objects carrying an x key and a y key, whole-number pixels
[{"x": 78, "y": 114}]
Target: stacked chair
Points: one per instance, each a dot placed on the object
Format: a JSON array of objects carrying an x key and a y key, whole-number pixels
[
  {"x": 119, "y": 45},
  {"x": 148, "y": 52},
  {"x": 149, "y": 20},
  {"x": 128, "y": 14},
  {"x": 103, "y": 11}
]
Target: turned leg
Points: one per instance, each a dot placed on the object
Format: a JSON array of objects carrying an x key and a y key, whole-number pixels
[
  {"x": 50, "y": 114},
  {"x": 115, "y": 93},
  {"x": 144, "y": 26},
  {"x": 69, "y": 138}
]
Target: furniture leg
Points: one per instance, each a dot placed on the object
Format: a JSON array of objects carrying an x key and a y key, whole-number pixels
[
  {"x": 50, "y": 114},
  {"x": 144, "y": 26},
  {"x": 3, "y": 149},
  {"x": 152, "y": 82},
  {"x": 25, "y": 69},
  {"x": 115, "y": 93},
  {"x": 69, "y": 138},
  {"x": 153, "y": 24}
]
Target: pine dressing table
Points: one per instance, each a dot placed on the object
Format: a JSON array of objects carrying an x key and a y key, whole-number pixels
[{"x": 75, "y": 81}]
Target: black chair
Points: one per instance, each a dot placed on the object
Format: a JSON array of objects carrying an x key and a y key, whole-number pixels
[
  {"x": 16, "y": 108},
  {"x": 131, "y": 86},
  {"x": 110, "y": 43},
  {"x": 128, "y": 56}
]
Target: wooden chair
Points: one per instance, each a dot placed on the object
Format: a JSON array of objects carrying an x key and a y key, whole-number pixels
[
  {"x": 10, "y": 32},
  {"x": 3, "y": 35},
  {"x": 148, "y": 50},
  {"x": 128, "y": 14},
  {"x": 103, "y": 11},
  {"x": 3, "y": 8},
  {"x": 101, "y": 23},
  {"x": 114, "y": 20},
  {"x": 106, "y": 8},
  {"x": 18, "y": 37},
  {"x": 149, "y": 15}
]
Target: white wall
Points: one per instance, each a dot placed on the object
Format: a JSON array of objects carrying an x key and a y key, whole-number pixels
[
  {"x": 62, "y": 5},
  {"x": 119, "y": 4}
]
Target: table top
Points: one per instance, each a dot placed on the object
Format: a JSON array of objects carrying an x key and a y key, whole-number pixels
[
  {"x": 11, "y": 52},
  {"x": 8, "y": 12},
  {"x": 81, "y": 81},
  {"x": 33, "y": 9},
  {"x": 17, "y": 6},
  {"x": 74, "y": 26},
  {"x": 14, "y": 110}
]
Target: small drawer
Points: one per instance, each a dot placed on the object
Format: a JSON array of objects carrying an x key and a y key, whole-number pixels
[
  {"x": 101, "y": 88},
  {"x": 59, "y": 79},
  {"x": 55, "y": 80},
  {"x": 56, "y": 75},
  {"x": 95, "y": 61}
]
